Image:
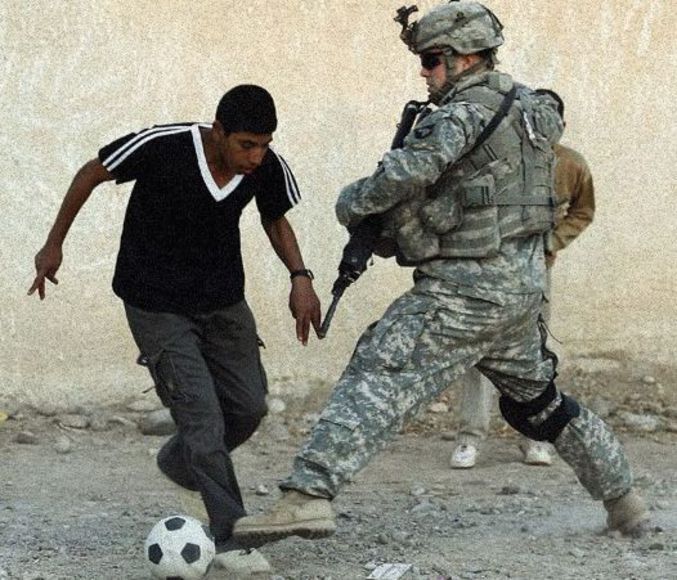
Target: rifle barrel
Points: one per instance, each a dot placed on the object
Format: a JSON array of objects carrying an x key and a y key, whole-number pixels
[{"x": 330, "y": 314}]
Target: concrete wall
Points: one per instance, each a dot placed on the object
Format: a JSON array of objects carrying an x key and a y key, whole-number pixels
[{"x": 77, "y": 73}]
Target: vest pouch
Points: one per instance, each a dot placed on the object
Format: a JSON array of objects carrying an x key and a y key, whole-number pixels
[
  {"x": 403, "y": 225},
  {"x": 481, "y": 191},
  {"x": 525, "y": 221},
  {"x": 415, "y": 243},
  {"x": 478, "y": 236},
  {"x": 443, "y": 214}
]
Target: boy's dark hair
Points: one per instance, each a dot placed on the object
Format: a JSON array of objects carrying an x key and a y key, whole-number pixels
[
  {"x": 247, "y": 108},
  {"x": 554, "y": 95}
]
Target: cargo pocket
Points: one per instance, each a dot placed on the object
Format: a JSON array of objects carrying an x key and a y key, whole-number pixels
[
  {"x": 163, "y": 372},
  {"x": 398, "y": 334},
  {"x": 328, "y": 416},
  {"x": 486, "y": 295},
  {"x": 334, "y": 438}
]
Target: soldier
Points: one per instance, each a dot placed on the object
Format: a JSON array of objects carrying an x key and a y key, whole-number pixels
[
  {"x": 469, "y": 209},
  {"x": 575, "y": 196}
]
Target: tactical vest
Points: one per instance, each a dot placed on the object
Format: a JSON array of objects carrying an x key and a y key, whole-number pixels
[{"x": 502, "y": 189}]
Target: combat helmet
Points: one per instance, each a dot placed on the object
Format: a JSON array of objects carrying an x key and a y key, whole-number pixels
[
  {"x": 466, "y": 27},
  {"x": 456, "y": 28}
]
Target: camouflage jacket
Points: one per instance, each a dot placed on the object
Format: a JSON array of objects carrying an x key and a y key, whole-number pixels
[{"x": 400, "y": 187}]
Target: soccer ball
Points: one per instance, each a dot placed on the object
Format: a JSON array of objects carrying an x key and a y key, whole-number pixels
[{"x": 179, "y": 548}]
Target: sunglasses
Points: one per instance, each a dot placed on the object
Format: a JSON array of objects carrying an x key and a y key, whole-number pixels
[{"x": 429, "y": 60}]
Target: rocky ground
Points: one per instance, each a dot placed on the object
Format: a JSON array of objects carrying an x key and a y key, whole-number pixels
[{"x": 79, "y": 492}]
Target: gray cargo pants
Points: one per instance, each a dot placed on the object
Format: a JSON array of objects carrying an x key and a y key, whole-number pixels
[
  {"x": 207, "y": 371},
  {"x": 426, "y": 339}
]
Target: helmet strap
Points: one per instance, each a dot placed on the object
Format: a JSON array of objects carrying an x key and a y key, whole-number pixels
[{"x": 437, "y": 96}]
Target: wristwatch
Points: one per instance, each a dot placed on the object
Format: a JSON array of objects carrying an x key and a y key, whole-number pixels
[{"x": 305, "y": 272}]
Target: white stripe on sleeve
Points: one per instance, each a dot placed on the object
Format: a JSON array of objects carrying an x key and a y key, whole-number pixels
[
  {"x": 125, "y": 150},
  {"x": 292, "y": 188}
]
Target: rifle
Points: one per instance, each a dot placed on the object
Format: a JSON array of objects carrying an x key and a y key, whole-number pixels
[{"x": 364, "y": 236}]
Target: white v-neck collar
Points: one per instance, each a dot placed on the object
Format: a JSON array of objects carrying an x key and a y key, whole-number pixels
[{"x": 218, "y": 193}]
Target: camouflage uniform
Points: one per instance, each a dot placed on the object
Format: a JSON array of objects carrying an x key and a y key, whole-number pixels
[{"x": 461, "y": 312}]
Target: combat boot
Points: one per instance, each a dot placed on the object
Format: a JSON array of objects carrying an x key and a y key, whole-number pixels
[
  {"x": 294, "y": 514},
  {"x": 627, "y": 514}
]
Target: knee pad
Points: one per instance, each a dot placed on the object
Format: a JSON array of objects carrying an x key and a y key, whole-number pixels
[{"x": 517, "y": 414}]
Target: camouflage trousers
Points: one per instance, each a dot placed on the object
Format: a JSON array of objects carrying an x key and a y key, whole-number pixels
[{"x": 426, "y": 339}]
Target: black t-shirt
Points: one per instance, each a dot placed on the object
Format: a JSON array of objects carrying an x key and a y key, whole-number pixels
[{"x": 180, "y": 245}]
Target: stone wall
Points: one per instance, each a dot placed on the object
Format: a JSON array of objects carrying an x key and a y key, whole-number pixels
[{"x": 79, "y": 73}]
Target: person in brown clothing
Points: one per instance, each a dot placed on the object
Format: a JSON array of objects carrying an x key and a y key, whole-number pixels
[
  {"x": 576, "y": 199},
  {"x": 575, "y": 211}
]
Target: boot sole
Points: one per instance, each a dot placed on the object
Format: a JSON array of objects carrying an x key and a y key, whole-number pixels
[
  {"x": 235, "y": 569},
  {"x": 454, "y": 465},
  {"x": 630, "y": 518},
  {"x": 636, "y": 527},
  {"x": 256, "y": 536}
]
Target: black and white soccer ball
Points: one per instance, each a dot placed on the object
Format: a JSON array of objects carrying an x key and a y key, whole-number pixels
[{"x": 179, "y": 548}]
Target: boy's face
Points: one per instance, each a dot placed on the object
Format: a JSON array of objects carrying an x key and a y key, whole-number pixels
[{"x": 242, "y": 152}]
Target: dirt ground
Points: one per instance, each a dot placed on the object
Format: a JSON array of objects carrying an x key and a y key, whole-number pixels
[{"x": 77, "y": 503}]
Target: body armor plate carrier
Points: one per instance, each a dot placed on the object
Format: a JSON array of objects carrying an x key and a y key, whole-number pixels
[{"x": 503, "y": 188}]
